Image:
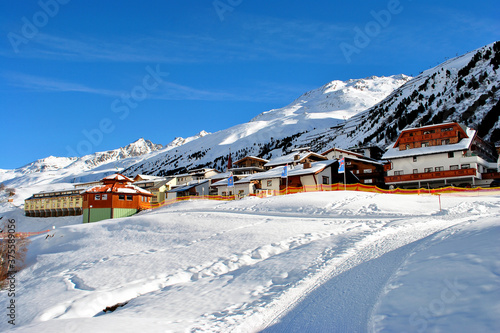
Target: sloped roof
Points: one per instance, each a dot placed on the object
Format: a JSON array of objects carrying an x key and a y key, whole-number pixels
[
  {"x": 187, "y": 187},
  {"x": 290, "y": 158},
  {"x": 295, "y": 171},
  {"x": 118, "y": 177},
  {"x": 251, "y": 157},
  {"x": 117, "y": 188},
  {"x": 464, "y": 144}
]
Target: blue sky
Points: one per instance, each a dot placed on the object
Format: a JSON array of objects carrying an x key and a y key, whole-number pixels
[{"x": 84, "y": 76}]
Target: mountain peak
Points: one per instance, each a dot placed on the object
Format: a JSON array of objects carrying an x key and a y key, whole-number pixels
[{"x": 340, "y": 99}]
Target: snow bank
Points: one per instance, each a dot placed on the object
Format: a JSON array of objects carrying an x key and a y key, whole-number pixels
[{"x": 276, "y": 263}]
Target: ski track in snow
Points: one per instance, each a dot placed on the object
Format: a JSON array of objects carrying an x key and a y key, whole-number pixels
[{"x": 277, "y": 285}]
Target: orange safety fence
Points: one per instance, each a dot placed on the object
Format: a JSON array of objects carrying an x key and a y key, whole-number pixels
[
  {"x": 22, "y": 234},
  {"x": 450, "y": 190}
]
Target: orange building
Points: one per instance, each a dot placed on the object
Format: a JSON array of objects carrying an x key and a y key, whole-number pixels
[{"x": 115, "y": 198}]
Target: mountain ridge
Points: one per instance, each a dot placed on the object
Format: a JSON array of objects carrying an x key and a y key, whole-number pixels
[{"x": 374, "y": 111}]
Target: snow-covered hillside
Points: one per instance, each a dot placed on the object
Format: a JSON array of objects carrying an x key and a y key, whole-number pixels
[
  {"x": 271, "y": 133},
  {"x": 326, "y": 262},
  {"x": 179, "y": 141},
  {"x": 74, "y": 169},
  {"x": 465, "y": 89},
  {"x": 339, "y": 99}
]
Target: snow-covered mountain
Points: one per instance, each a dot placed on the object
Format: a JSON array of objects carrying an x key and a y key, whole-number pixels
[
  {"x": 46, "y": 169},
  {"x": 370, "y": 111},
  {"x": 179, "y": 141},
  {"x": 464, "y": 89},
  {"x": 271, "y": 133},
  {"x": 340, "y": 99}
]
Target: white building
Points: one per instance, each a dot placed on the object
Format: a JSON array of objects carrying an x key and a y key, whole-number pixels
[{"x": 439, "y": 155}]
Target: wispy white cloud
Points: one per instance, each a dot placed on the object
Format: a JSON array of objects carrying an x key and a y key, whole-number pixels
[
  {"x": 258, "y": 38},
  {"x": 44, "y": 84},
  {"x": 165, "y": 91}
]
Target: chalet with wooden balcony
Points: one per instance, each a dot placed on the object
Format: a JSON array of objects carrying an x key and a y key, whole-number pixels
[
  {"x": 367, "y": 170},
  {"x": 440, "y": 155},
  {"x": 115, "y": 198},
  {"x": 299, "y": 156},
  {"x": 248, "y": 165}
]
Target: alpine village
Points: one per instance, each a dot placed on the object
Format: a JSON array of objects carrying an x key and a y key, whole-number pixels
[{"x": 424, "y": 158}]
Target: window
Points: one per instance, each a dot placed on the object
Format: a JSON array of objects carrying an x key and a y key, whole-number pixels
[
  {"x": 241, "y": 192},
  {"x": 398, "y": 173},
  {"x": 367, "y": 171},
  {"x": 326, "y": 180},
  {"x": 97, "y": 197},
  {"x": 415, "y": 170},
  {"x": 453, "y": 167},
  {"x": 224, "y": 193},
  {"x": 104, "y": 197},
  {"x": 427, "y": 169},
  {"x": 129, "y": 197},
  {"x": 414, "y": 158},
  {"x": 369, "y": 181},
  {"x": 451, "y": 154},
  {"x": 465, "y": 166},
  {"x": 425, "y": 144},
  {"x": 445, "y": 142},
  {"x": 407, "y": 146},
  {"x": 340, "y": 156},
  {"x": 269, "y": 183},
  {"x": 121, "y": 197},
  {"x": 439, "y": 168}
]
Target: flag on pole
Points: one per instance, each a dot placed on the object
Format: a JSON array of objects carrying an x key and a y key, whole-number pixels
[
  {"x": 341, "y": 165},
  {"x": 284, "y": 174},
  {"x": 230, "y": 180},
  {"x": 229, "y": 161}
]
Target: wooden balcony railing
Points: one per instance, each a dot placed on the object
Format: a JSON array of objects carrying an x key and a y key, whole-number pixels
[
  {"x": 431, "y": 175},
  {"x": 490, "y": 175},
  {"x": 431, "y": 136}
]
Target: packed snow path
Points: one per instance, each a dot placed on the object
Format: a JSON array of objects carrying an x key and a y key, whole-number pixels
[{"x": 337, "y": 261}]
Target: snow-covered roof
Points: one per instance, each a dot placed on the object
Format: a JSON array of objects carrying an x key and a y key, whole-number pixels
[
  {"x": 128, "y": 188},
  {"x": 290, "y": 158},
  {"x": 433, "y": 125},
  {"x": 187, "y": 187},
  {"x": 343, "y": 151},
  {"x": 222, "y": 182},
  {"x": 292, "y": 171},
  {"x": 364, "y": 159},
  {"x": 148, "y": 177},
  {"x": 117, "y": 176},
  {"x": 464, "y": 144},
  {"x": 220, "y": 175},
  {"x": 251, "y": 157}
]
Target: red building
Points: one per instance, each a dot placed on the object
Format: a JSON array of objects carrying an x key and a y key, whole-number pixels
[{"x": 115, "y": 198}]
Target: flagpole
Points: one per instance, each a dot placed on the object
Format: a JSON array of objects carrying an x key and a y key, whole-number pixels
[
  {"x": 286, "y": 188},
  {"x": 345, "y": 171}
]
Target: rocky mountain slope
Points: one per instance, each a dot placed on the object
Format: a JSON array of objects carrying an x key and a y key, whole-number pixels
[
  {"x": 370, "y": 111},
  {"x": 63, "y": 168},
  {"x": 271, "y": 133},
  {"x": 463, "y": 89}
]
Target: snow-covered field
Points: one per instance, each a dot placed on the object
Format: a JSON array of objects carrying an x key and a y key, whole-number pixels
[{"x": 326, "y": 262}]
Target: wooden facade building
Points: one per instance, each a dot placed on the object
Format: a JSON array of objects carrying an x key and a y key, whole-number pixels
[{"x": 115, "y": 198}]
